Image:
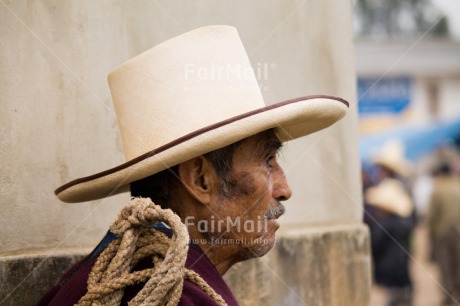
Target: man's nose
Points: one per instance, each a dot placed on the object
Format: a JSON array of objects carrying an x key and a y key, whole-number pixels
[{"x": 281, "y": 189}]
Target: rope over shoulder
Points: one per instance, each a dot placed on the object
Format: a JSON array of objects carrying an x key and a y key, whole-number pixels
[{"x": 164, "y": 282}]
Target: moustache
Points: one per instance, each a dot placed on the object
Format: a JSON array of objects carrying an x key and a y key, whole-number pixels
[{"x": 276, "y": 212}]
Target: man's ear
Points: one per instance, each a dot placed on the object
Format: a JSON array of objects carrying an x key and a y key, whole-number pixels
[{"x": 198, "y": 177}]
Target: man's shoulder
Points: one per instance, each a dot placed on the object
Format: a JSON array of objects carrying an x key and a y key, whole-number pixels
[{"x": 71, "y": 287}]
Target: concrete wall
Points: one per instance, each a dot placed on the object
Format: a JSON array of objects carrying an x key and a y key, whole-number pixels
[{"x": 57, "y": 121}]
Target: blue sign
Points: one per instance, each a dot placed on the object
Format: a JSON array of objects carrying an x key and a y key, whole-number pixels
[{"x": 388, "y": 95}]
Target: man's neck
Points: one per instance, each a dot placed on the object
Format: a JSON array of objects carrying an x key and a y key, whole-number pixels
[{"x": 223, "y": 256}]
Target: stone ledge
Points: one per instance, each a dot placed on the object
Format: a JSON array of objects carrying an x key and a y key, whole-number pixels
[
  {"x": 327, "y": 266},
  {"x": 25, "y": 278}
]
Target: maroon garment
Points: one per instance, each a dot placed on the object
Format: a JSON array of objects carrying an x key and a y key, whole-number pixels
[{"x": 73, "y": 284}]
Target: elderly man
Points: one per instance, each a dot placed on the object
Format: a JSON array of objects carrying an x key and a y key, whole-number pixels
[{"x": 200, "y": 143}]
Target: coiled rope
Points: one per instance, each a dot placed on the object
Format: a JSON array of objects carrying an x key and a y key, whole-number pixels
[{"x": 163, "y": 283}]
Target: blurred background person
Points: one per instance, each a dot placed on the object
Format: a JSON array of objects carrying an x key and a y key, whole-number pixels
[
  {"x": 390, "y": 215},
  {"x": 443, "y": 220}
]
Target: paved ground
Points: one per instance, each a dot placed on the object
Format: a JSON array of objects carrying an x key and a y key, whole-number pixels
[{"x": 428, "y": 291}]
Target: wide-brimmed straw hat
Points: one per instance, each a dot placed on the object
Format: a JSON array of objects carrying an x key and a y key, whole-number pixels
[
  {"x": 392, "y": 156},
  {"x": 190, "y": 95},
  {"x": 391, "y": 196}
]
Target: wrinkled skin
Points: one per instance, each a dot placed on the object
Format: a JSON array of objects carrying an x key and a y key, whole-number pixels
[{"x": 243, "y": 225}]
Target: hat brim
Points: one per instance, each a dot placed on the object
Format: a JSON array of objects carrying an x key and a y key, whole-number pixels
[
  {"x": 400, "y": 167},
  {"x": 292, "y": 119},
  {"x": 390, "y": 196}
]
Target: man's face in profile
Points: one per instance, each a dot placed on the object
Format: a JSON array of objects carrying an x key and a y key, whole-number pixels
[{"x": 248, "y": 217}]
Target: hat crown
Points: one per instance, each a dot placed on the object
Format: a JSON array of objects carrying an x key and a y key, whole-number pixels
[
  {"x": 392, "y": 156},
  {"x": 166, "y": 93}
]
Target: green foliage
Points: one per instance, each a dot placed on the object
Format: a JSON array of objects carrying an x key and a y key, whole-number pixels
[{"x": 398, "y": 18}]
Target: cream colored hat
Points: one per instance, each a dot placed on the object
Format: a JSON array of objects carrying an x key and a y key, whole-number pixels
[
  {"x": 392, "y": 157},
  {"x": 190, "y": 95},
  {"x": 391, "y": 196}
]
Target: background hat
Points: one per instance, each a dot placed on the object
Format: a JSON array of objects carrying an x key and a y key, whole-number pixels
[
  {"x": 392, "y": 157},
  {"x": 190, "y": 95},
  {"x": 391, "y": 196}
]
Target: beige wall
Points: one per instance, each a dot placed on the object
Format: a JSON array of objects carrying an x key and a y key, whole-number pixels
[{"x": 58, "y": 124}]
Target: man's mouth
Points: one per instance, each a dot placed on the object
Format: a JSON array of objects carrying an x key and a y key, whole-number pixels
[{"x": 275, "y": 212}]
